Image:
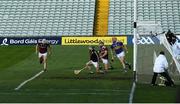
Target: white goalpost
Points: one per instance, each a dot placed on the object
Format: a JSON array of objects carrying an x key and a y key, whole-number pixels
[
  {"x": 144, "y": 54},
  {"x": 135, "y": 42}
]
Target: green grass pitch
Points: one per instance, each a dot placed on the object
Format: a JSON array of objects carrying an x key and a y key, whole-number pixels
[{"x": 59, "y": 84}]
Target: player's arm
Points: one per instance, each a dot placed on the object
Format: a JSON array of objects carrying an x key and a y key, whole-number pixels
[
  {"x": 49, "y": 49},
  {"x": 105, "y": 53},
  {"x": 36, "y": 48},
  {"x": 126, "y": 49},
  {"x": 97, "y": 56}
]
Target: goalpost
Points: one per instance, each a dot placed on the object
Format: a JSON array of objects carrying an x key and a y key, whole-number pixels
[{"x": 145, "y": 54}]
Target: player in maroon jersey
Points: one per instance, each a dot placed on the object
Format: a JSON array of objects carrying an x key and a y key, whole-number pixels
[
  {"x": 44, "y": 48},
  {"x": 103, "y": 53}
]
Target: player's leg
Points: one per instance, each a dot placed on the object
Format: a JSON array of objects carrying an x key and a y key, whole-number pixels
[
  {"x": 40, "y": 58},
  {"x": 121, "y": 59},
  {"x": 45, "y": 61},
  {"x": 126, "y": 63},
  {"x": 154, "y": 79},
  {"x": 106, "y": 64},
  {"x": 96, "y": 65},
  {"x": 123, "y": 64}
]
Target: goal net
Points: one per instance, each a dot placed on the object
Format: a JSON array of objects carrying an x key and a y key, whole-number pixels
[{"x": 152, "y": 40}]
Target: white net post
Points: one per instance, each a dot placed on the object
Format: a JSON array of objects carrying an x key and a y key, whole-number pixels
[
  {"x": 146, "y": 53},
  {"x": 135, "y": 42}
]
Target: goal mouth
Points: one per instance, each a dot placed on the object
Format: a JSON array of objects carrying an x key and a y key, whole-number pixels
[
  {"x": 149, "y": 28},
  {"x": 147, "y": 53}
]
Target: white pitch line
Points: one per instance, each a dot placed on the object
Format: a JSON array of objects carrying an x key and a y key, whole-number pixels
[
  {"x": 77, "y": 93},
  {"x": 131, "y": 95},
  {"x": 26, "y": 81}
]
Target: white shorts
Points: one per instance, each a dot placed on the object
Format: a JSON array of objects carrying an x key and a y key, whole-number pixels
[
  {"x": 120, "y": 55},
  {"x": 95, "y": 64},
  {"x": 42, "y": 55},
  {"x": 105, "y": 61}
]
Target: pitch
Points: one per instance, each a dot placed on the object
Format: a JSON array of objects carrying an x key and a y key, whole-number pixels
[{"x": 60, "y": 84}]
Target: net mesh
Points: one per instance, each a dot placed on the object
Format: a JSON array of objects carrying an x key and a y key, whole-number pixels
[
  {"x": 147, "y": 52},
  {"x": 148, "y": 27}
]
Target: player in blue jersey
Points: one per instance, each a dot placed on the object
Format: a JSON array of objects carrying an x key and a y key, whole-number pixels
[{"x": 120, "y": 50}]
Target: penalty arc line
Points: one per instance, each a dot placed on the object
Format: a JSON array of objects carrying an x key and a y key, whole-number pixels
[{"x": 26, "y": 81}]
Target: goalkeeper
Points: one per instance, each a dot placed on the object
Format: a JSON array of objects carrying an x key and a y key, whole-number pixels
[{"x": 160, "y": 67}]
